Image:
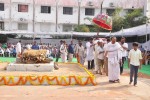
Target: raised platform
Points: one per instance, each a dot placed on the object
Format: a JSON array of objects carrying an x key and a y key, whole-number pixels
[
  {"x": 68, "y": 74},
  {"x": 31, "y": 67}
]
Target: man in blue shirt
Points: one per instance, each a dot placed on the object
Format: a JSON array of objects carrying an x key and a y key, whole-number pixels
[
  {"x": 70, "y": 51},
  {"x": 35, "y": 46}
]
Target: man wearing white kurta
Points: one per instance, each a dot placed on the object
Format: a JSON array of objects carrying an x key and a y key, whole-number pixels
[
  {"x": 114, "y": 58},
  {"x": 63, "y": 51},
  {"x": 90, "y": 54},
  {"x": 96, "y": 55},
  {"x": 18, "y": 48},
  {"x": 124, "y": 53}
]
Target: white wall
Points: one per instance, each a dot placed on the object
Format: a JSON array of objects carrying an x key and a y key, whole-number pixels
[
  {"x": 97, "y": 11},
  {"x": 68, "y": 19},
  {"x": 45, "y": 17}
]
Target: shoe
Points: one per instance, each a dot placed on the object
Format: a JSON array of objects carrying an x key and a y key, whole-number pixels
[
  {"x": 101, "y": 74},
  {"x": 130, "y": 83},
  {"x": 111, "y": 81},
  {"x": 135, "y": 84},
  {"x": 118, "y": 80},
  {"x": 56, "y": 67}
]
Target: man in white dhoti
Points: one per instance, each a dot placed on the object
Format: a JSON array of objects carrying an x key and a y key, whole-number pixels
[
  {"x": 95, "y": 55},
  {"x": 18, "y": 49},
  {"x": 63, "y": 51},
  {"x": 90, "y": 54},
  {"x": 114, "y": 58}
]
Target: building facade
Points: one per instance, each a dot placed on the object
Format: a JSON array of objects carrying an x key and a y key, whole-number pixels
[{"x": 44, "y": 16}]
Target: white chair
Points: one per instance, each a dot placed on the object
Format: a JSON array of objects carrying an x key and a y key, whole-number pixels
[{"x": 2, "y": 53}]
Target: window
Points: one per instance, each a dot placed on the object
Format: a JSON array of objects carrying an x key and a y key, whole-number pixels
[
  {"x": 68, "y": 10},
  {"x": 67, "y": 28},
  {"x": 45, "y": 9},
  {"x": 22, "y": 26},
  {"x": 110, "y": 11},
  {"x": 89, "y": 11},
  {"x": 45, "y": 27},
  {"x": 1, "y": 25},
  {"x": 1, "y": 6},
  {"x": 22, "y": 8}
]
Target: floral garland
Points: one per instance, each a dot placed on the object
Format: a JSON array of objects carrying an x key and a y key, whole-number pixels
[
  {"x": 50, "y": 80},
  {"x": 39, "y": 80}
]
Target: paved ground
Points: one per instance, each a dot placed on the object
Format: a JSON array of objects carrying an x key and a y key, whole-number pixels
[{"x": 103, "y": 91}]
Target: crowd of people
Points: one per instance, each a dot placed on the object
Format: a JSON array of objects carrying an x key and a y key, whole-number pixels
[{"x": 104, "y": 56}]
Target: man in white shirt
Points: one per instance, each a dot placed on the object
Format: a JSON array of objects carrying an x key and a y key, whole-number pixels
[
  {"x": 95, "y": 55},
  {"x": 100, "y": 57},
  {"x": 63, "y": 51},
  {"x": 124, "y": 53},
  {"x": 1, "y": 52},
  {"x": 90, "y": 53},
  {"x": 18, "y": 48},
  {"x": 113, "y": 52},
  {"x": 134, "y": 62}
]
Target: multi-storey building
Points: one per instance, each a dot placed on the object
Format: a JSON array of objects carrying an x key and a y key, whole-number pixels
[{"x": 45, "y": 16}]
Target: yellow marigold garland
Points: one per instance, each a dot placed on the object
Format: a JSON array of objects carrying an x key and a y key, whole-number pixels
[{"x": 22, "y": 80}]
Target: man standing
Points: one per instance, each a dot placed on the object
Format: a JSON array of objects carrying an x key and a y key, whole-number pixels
[
  {"x": 114, "y": 58},
  {"x": 100, "y": 57},
  {"x": 70, "y": 51},
  {"x": 96, "y": 55},
  {"x": 80, "y": 53},
  {"x": 35, "y": 46},
  {"x": 106, "y": 57},
  {"x": 18, "y": 49},
  {"x": 90, "y": 53},
  {"x": 58, "y": 53},
  {"x": 76, "y": 54},
  {"x": 124, "y": 53},
  {"x": 63, "y": 51},
  {"x": 135, "y": 62}
]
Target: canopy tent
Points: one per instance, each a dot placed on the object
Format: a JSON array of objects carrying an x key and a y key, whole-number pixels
[
  {"x": 135, "y": 31},
  {"x": 55, "y": 33},
  {"x": 138, "y": 31}
]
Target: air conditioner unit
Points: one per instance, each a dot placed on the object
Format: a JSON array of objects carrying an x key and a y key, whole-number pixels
[
  {"x": 22, "y": 19},
  {"x": 90, "y": 3},
  {"x": 111, "y": 4}
]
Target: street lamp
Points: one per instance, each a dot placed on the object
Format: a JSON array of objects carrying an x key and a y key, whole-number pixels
[{"x": 79, "y": 8}]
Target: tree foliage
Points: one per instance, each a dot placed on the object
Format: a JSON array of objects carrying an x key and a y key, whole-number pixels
[{"x": 82, "y": 28}]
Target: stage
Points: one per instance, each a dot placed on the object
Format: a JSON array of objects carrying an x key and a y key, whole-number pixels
[{"x": 68, "y": 74}]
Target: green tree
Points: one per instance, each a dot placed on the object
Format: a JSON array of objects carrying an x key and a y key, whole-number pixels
[
  {"x": 134, "y": 18},
  {"x": 81, "y": 28},
  {"x": 117, "y": 20}
]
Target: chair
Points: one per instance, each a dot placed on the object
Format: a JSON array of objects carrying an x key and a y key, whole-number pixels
[{"x": 2, "y": 53}]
